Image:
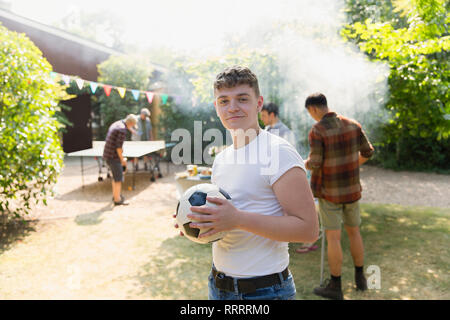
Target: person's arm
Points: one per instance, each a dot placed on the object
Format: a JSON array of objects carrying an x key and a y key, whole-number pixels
[
  {"x": 366, "y": 148},
  {"x": 120, "y": 154},
  {"x": 315, "y": 157},
  {"x": 299, "y": 224},
  {"x": 120, "y": 140},
  {"x": 150, "y": 133}
]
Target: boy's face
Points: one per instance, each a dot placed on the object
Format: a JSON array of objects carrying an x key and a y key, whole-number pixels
[{"x": 238, "y": 107}]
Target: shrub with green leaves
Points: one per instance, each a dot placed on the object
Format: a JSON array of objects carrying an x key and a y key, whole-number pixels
[{"x": 31, "y": 156}]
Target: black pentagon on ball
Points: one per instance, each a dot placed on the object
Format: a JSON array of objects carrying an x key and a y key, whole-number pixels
[
  {"x": 198, "y": 198},
  {"x": 178, "y": 207},
  {"x": 193, "y": 232}
]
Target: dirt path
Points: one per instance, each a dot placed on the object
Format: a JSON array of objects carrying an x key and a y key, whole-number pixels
[{"x": 405, "y": 188}]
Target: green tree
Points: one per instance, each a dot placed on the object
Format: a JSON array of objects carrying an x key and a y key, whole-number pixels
[
  {"x": 31, "y": 156},
  {"x": 376, "y": 10},
  {"x": 264, "y": 65},
  {"x": 127, "y": 72},
  {"x": 419, "y": 60}
]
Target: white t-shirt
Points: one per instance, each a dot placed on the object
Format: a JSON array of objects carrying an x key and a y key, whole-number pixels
[{"x": 247, "y": 175}]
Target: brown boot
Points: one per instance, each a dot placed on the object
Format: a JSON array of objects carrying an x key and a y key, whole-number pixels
[
  {"x": 332, "y": 290},
  {"x": 361, "y": 282}
]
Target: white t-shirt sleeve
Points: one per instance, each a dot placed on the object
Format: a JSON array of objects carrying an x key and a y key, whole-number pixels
[{"x": 288, "y": 158}]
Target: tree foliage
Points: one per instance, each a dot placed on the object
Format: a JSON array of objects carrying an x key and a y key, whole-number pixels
[
  {"x": 419, "y": 61},
  {"x": 31, "y": 156},
  {"x": 202, "y": 73}
]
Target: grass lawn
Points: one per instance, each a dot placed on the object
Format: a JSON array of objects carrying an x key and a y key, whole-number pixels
[
  {"x": 410, "y": 245},
  {"x": 133, "y": 255}
]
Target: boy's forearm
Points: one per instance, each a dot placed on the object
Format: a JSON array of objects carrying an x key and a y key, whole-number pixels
[{"x": 279, "y": 228}]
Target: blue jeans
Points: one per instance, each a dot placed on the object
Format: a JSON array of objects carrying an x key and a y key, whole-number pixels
[{"x": 284, "y": 291}]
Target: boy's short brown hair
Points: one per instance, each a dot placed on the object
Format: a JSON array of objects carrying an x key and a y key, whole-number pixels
[{"x": 234, "y": 76}]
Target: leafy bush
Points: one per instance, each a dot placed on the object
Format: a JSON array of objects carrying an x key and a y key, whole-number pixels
[{"x": 31, "y": 156}]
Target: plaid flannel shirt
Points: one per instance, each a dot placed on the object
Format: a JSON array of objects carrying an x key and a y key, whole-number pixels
[
  {"x": 335, "y": 143},
  {"x": 115, "y": 137}
]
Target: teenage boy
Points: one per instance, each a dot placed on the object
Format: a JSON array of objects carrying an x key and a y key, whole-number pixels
[{"x": 271, "y": 204}]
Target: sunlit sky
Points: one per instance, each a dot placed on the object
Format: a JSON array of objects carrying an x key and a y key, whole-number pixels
[{"x": 192, "y": 24}]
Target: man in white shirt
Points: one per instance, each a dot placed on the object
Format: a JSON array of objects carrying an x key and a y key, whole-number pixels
[
  {"x": 271, "y": 201},
  {"x": 270, "y": 118}
]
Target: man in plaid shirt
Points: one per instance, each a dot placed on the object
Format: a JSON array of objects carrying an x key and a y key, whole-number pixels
[
  {"x": 113, "y": 154},
  {"x": 338, "y": 147}
]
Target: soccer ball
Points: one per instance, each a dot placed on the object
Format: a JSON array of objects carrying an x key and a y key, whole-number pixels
[{"x": 196, "y": 196}]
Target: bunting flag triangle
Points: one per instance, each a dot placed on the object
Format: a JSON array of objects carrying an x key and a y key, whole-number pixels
[
  {"x": 107, "y": 89},
  {"x": 80, "y": 83},
  {"x": 121, "y": 91},
  {"x": 66, "y": 79},
  {"x": 93, "y": 86},
  {"x": 164, "y": 98},
  {"x": 136, "y": 94},
  {"x": 149, "y": 96}
]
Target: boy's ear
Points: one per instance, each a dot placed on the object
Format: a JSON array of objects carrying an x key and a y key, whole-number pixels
[{"x": 260, "y": 103}]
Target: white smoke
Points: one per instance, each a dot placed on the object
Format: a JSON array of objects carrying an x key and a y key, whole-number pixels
[{"x": 312, "y": 57}]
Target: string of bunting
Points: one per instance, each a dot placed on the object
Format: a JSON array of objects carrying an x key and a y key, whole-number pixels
[{"x": 108, "y": 88}]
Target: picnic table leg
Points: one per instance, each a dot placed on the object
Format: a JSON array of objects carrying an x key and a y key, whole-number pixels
[
  {"x": 152, "y": 168},
  {"x": 99, "y": 163},
  {"x": 134, "y": 176},
  {"x": 82, "y": 172},
  {"x": 157, "y": 161}
]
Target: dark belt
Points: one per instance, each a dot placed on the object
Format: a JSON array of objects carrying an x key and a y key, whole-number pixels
[{"x": 248, "y": 285}]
